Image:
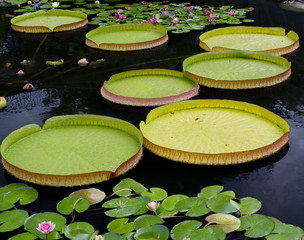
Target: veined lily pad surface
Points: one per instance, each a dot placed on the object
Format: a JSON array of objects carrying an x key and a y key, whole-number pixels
[
  {"x": 213, "y": 132},
  {"x": 72, "y": 150},
  {"x": 54, "y": 20},
  {"x": 149, "y": 87},
  {"x": 261, "y": 39},
  {"x": 237, "y": 69},
  {"x": 127, "y": 37}
]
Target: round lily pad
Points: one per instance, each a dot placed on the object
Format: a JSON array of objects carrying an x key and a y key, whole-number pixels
[
  {"x": 213, "y": 132},
  {"x": 127, "y": 37},
  {"x": 149, "y": 87},
  {"x": 72, "y": 150},
  {"x": 54, "y": 20},
  {"x": 261, "y": 39},
  {"x": 237, "y": 69}
]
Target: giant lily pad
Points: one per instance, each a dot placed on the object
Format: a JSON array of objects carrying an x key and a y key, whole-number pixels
[
  {"x": 270, "y": 40},
  {"x": 149, "y": 87},
  {"x": 213, "y": 132},
  {"x": 237, "y": 69},
  {"x": 127, "y": 37},
  {"x": 72, "y": 150},
  {"x": 54, "y": 20}
]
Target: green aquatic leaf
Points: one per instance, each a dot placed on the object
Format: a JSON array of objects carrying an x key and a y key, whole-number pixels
[
  {"x": 155, "y": 232},
  {"x": 223, "y": 204},
  {"x": 284, "y": 231},
  {"x": 126, "y": 186},
  {"x": 249, "y": 205},
  {"x": 68, "y": 204},
  {"x": 155, "y": 194},
  {"x": 93, "y": 195},
  {"x": 147, "y": 220},
  {"x": 165, "y": 213},
  {"x": 256, "y": 225},
  {"x": 169, "y": 203},
  {"x": 144, "y": 201},
  {"x": 24, "y": 236},
  {"x": 184, "y": 229},
  {"x": 76, "y": 228},
  {"x": 248, "y": 20},
  {"x": 120, "y": 226},
  {"x": 208, "y": 233},
  {"x": 14, "y": 192},
  {"x": 112, "y": 236},
  {"x": 122, "y": 207},
  {"x": 210, "y": 191},
  {"x": 194, "y": 206},
  {"x": 11, "y": 220},
  {"x": 228, "y": 223}
]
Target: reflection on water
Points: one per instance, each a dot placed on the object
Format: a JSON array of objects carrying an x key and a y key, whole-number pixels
[{"x": 276, "y": 181}]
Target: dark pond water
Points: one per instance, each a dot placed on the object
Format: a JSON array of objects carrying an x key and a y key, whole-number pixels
[{"x": 278, "y": 181}]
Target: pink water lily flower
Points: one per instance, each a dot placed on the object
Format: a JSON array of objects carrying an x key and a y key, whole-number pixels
[
  {"x": 211, "y": 19},
  {"x": 190, "y": 8},
  {"x": 207, "y": 11},
  {"x": 122, "y": 16},
  {"x": 144, "y": 21},
  {"x": 153, "y": 206},
  {"x": 174, "y": 21},
  {"x": 20, "y": 73},
  {"x": 165, "y": 13},
  {"x": 99, "y": 237},
  {"x": 164, "y": 8},
  {"x": 117, "y": 15},
  {"x": 231, "y": 13},
  {"x": 46, "y": 227},
  {"x": 119, "y": 10},
  {"x": 186, "y": 238},
  {"x": 153, "y": 20},
  {"x": 83, "y": 62},
  {"x": 28, "y": 87},
  {"x": 213, "y": 15},
  {"x": 143, "y": 2},
  {"x": 128, "y": 8}
]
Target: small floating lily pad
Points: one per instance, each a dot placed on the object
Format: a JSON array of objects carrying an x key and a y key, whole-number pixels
[
  {"x": 149, "y": 87},
  {"x": 127, "y": 37},
  {"x": 72, "y": 150},
  {"x": 54, "y": 20},
  {"x": 261, "y": 39},
  {"x": 213, "y": 132},
  {"x": 237, "y": 69}
]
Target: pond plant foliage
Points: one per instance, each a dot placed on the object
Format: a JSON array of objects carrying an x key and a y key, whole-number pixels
[
  {"x": 213, "y": 132},
  {"x": 72, "y": 150},
  {"x": 139, "y": 213},
  {"x": 149, "y": 87},
  {"x": 54, "y": 20},
  {"x": 232, "y": 69},
  {"x": 127, "y": 37},
  {"x": 263, "y": 39}
]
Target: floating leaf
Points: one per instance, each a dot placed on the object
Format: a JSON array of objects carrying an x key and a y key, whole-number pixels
[
  {"x": 249, "y": 205},
  {"x": 248, "y": 20},
  {"x": 211, "y": 191},
  {"x": 165, "y": 213},
  {"x": 122, "y": 207},
  {"x": 256, "y": 225},
  {"x": 76, "y": 228},
  {"x": 93, "y": 195},
  {"x": 228, "y": 223},
  {"x": 11, "y": 220},
  {"x": 14, "y": 192},
  {"x": 155, "y": 194},
  {"x": 169, "y": 203},
  {"x": 24, "y": 236},
  {"x": 184, "y": 229},
  {"x": 144, "y": 201},
  {"x": 32, "y": 222},
  {"x": 208, "y": 233},
  {"x": 68, "y": 204},
  {"x": 128, "y": 185},
  {"x": 155, "y": 232},
  {"x": 147, "y": 220},
  {"x": 194, "y": 206},
  {"x": 284, "y": 231},
  {"x": 222, "y": 204},
  {"x": 120, "y": 226},
  {"x": 112, "y": 236}
]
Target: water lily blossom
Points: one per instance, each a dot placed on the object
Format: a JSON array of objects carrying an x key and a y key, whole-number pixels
[
  {"x": 2, "y": 102},
  {"x": 122, "y": 16},
  {"x": 83, "y": 62},
  {"x": 46, "y": 227},
  {"x": 128, "y": 8},
  {"x": 143, "y": 2},
  {"x": 29, "y": 2},
  {"x": 153, "y": 20},
  {"x": 174, "y": 21},
  {"x": 20, "y": 73},
  {"x": 231, "y": 13},
  {"x": 211, "y": 19},
  {"x": 164, "y": 8},
  {"x": 99, "y": 237},
  {"x": 55, "y": 4},
  {"x": 213, "y": 15},
  {"x": 97, "y": 2},
  {"x": 190, "y": 8},
  {"x": 165, "y": 13},
  {"x": 186, "y": 238},
  {"x": 117, "y": 15},
  {"x": 144, "y": 21},
  {"x": 28, "y": 87},
  {"x": 153, "y": 206},
  {"x": 207, "y": 11},
  {"x": 119, "y": 10}
]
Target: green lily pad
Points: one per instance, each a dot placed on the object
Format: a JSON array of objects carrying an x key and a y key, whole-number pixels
[
  {"x": 184, "y": 229},
  {"x": 194, "y": 206},
  {"x": 210, "y": 191},
  {"x": 147, "y": 220},
  {"x": 155, "y": 232},
  {"x": 122, "y": 207},
  {"x": 76, "y": 228},
  {"x": 208, "y": 233},
  {"x": 24, "y": 236},
  {"x": 155, "y": 194},
  {"x": 228, "y": 223},
  {"x": 170, "y": 202},
  {"x": 222, "y": 204},
  {"x": 284, "y": 231},
  {"x": 11, "y": 220},
  {"x": 144, "y": 201},
  {"x": 120, "y": 226},
  {"x": 69, "y": 204},
  {"x": 126, "y": 186},
  {"x": 93, "y": 195},
  {"x": 249, "y": 205},
  {"x": 82, "y": 150}
]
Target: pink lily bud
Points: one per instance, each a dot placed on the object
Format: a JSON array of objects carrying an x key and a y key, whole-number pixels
[
  {"x": 46, "y": 227},
  {"x": 122, "y": 16},
  {"x": 186, "y": 238},
  {"x": 128, "y": 8},
  {"x": 213, "y": 15},
  {"x": 231, "y": 13},
  {"x": 117, "y": 15},
  {"x": 174, "y": 21},
  {"x": 144, "y": 21},
  {"x": 190, "y": 8},
  {"x": 153, "y": 206},
  {"x": 207, "y": 11},
  {"x": 165, "y": 13},
  {"x": 211, "y": 19},
  {"x": 153, "y": 20},
  {"x": 99, "y": 237},
  {"x": 20, "y": 73},
  {"x": 83, "y": 62},
  {"x": 119, "y": 10},
  {"x": 143, "y": 2},
  {"x": 28, "y": 87}
]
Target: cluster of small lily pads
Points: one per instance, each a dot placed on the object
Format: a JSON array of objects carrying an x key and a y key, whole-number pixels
[
  {"x": 140, "y": 213},
  {"x": 178, "y": 18}
]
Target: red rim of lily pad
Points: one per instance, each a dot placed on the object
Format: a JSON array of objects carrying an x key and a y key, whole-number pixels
[
  {"x": 160, "y": 74},
  {"x": 82, "y": 21},
  {"x": 72, "y": 150},
  {"x": 130, "y": 45}
]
